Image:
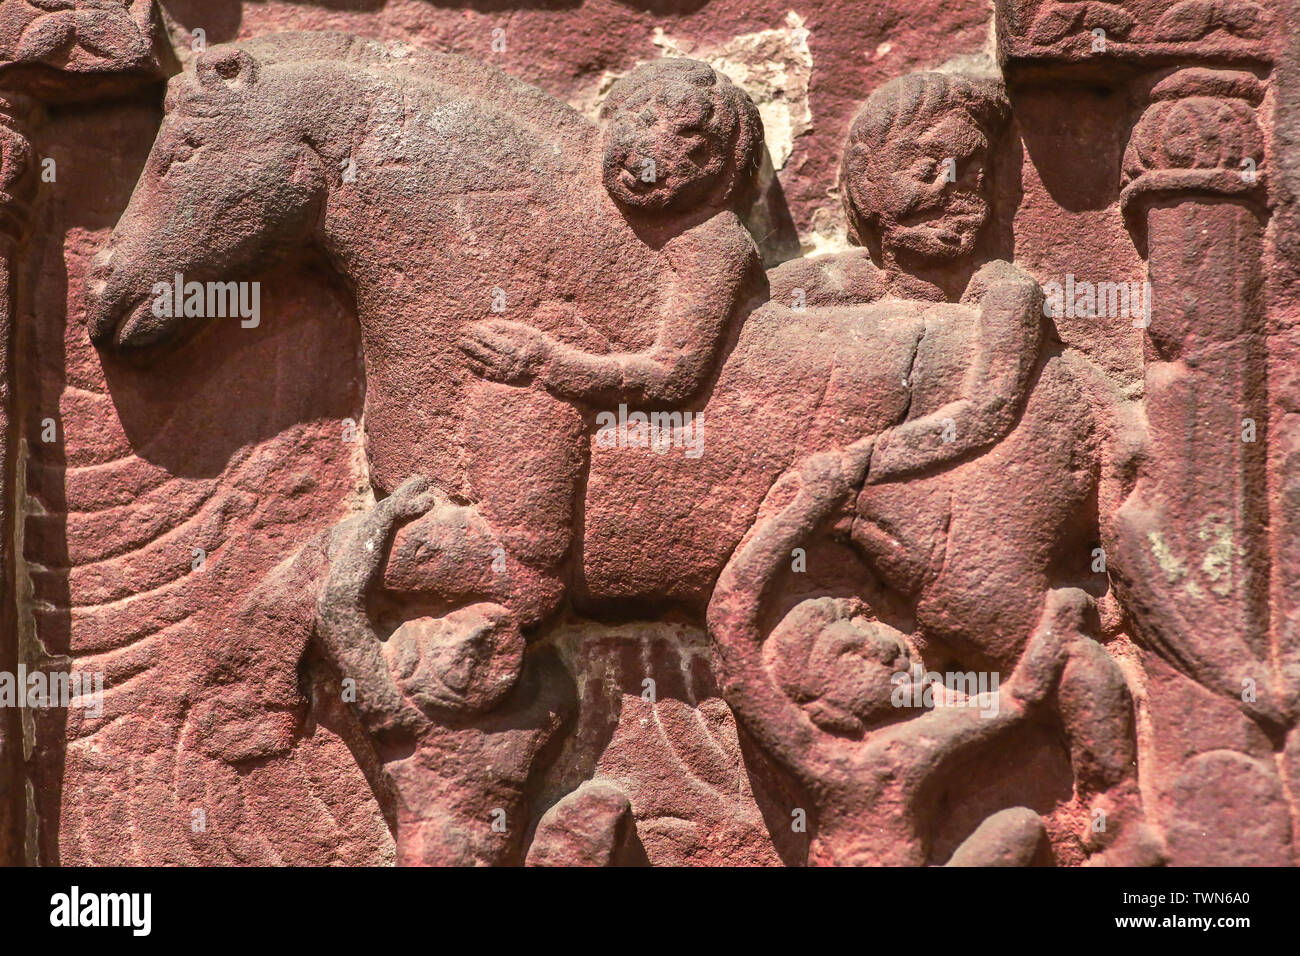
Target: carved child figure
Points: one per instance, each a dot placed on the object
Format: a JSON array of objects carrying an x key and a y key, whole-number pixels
[
  {"x": 681, "y": 143},
  {"x": 456, "y": 713},
  {"x": 819, "y": 691}
]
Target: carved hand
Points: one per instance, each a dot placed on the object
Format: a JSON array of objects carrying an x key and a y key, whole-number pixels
[
  {"x": 357, "y": 545},
  {"x": 356, "y": 555},
  {"x": 830, "y": 476},
  {"x": 506, "y": 352}
]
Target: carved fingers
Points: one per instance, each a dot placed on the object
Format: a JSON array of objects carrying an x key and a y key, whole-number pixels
[
  {"x": 830, "y": 476},
  {"x": 506, "y": 352},
  {"x": 357, "y": 550}
]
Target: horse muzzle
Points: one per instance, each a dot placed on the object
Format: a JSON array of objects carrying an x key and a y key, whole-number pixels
[{"x": 120, "y": 316}]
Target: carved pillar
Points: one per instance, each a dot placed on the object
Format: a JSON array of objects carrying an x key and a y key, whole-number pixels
[
  {"x": 1194, "y": 550},
  {"x": 50, "y": 53},
  {"x": 1193, "y": 179},
  {"x": 1284, "y": 349}
]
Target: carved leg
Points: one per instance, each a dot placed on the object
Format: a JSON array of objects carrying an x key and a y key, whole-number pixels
[
  {"x": 525, "y": 454},
  {"x": 1097, "y": 713}
]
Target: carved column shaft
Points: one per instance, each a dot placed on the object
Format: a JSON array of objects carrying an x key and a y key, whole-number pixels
[
  {"x": 1205, "y": 398},
  {"x": 1196, "y": 548},
  {"x": 11, "y": 815}
]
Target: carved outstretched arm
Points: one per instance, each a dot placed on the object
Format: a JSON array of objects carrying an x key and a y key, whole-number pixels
[
  {"x": 800, "y": 501},
  {"x": 711, "y": 265},
  {"x": 343, "y": 626},
  {"x": 1007, "y": 340},
  {"x": 929, "y": 740}
]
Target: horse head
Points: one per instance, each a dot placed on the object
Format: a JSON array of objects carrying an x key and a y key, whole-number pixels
[{"x": 232, "y": 177}]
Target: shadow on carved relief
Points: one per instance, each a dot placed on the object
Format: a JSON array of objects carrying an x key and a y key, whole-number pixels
[{"x": 437, "y": 473}]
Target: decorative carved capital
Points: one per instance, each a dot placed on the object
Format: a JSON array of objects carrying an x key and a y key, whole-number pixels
[
  {"x": 1137, "y": 31},
  {"x": 1199, "y": 135},
  {"x": 51, "y": 47}
]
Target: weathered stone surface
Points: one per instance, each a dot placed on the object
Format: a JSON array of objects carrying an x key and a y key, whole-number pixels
[{"x": 628, "y": 433}]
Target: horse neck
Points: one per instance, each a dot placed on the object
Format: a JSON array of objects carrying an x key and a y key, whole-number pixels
[{"x": 351, "y": 230}]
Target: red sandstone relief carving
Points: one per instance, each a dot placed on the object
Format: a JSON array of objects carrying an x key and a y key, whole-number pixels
[
  {"x": 1077, "y": 31},
  {"x": 41, "y": 30},
  {"x": 430, "y": 472},
  {"x": 65, "y": 49}
]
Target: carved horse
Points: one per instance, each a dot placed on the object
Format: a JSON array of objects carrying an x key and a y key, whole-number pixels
[{"x": 457, "y": 165}]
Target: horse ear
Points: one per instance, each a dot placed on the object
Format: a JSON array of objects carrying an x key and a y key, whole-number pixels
[
  {"x": 309, "y": 169},
  {"x": 226, "y": 67}
]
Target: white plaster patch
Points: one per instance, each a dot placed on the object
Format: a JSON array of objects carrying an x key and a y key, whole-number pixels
[{"x": 773, "y": 66}]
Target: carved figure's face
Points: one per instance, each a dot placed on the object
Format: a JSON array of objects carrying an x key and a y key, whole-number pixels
[
  {"x": 838, "y": 665},
  {"x": 467, "y": 661},
  {"x": 224, "y": 184},
  {"x": 931, "y": 192},
  {"x": 663, "y": 152},
  {"x": 855, "y": 662}
]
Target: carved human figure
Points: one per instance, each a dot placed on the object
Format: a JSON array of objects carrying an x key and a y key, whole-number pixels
[
  {"x": 914, "y": 179},
  {"x": 917, "y": 197},
  {"x": 607, "y": 266},
  {"x": 916, "y": 187},
  {"x": 680, "y": 145},
  {"x": 818, "y": 689},
  {"x": 499, "y": 188},
  {"x": 456, "y": 714}
]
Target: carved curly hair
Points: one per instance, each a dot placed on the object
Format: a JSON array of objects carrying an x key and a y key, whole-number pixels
[
  {"x": 904, "y": 108},
  {"x": 733, "y": 117}
]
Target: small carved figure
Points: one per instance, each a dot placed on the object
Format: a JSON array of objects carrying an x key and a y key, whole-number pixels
[
  {"x": 680, "y": 146},
  {"x": 819, "y": 691},
  {"x": 456, "y": 713}
]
